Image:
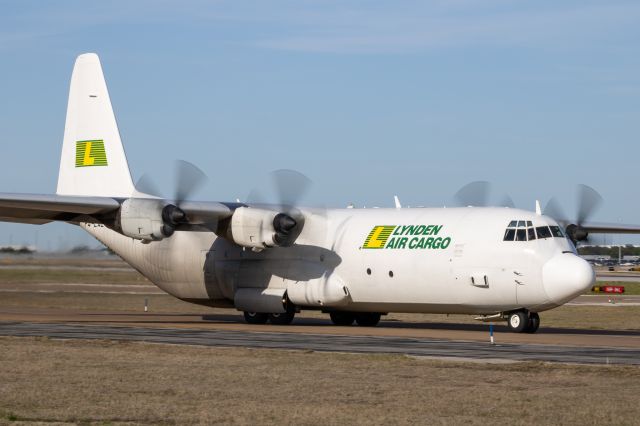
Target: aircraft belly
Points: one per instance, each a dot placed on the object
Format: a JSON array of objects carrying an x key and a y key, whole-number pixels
[{"x": 176, "y": 265}]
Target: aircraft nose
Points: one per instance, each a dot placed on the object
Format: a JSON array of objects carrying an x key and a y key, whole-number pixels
[{"x": 566, "y": 276}]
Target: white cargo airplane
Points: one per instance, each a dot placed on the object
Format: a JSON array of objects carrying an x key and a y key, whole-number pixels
[{"x": 272, "y": 261}]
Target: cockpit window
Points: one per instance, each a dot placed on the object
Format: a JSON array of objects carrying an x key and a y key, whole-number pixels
[
  {"x": 543, "y": 232},
  {"x": 556, "y": 231},
  {"x": 523, "y": 230}
]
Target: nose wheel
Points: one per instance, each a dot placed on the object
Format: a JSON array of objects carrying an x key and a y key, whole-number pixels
[{"x": 523, "y": 321}]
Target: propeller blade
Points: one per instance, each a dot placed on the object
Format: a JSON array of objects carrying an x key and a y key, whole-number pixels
[
  {"x": 146, "y": 185},
  {"x": 553, "y": 210},
  {"x": 290, "y": 186},
  {"x": 588, "y": 202},
  {"x": 507, "y": 201},
  {"x": 473, "y": 194},
  {"x": 189, "y": 178},
  {"x": 285, "y": 193}
]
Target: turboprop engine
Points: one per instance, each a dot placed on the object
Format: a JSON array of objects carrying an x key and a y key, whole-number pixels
[
  {"x": 259, "y": 228},
  {"x": 149, "y": 219}
]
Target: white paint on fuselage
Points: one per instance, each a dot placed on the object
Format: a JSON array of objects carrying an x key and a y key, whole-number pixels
[{"x": 329, "y": 254}]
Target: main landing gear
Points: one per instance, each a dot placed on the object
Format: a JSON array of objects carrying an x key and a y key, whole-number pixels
[
  {"x": 363, "y": 319},
  {"x": 523, "y": 321},
  {"x": 277, "y": 319}
]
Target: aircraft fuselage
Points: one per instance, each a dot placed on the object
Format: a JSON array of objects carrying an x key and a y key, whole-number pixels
[{"x": 430, "y": 260}]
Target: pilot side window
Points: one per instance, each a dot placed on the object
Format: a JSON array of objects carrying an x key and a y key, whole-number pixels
[
  {"x": 509, "y": 234},
  {"x": 556, "y": 231},
  {"x": 543, "y": 232}
]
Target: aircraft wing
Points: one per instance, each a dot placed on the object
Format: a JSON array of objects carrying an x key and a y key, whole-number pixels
[
  {"x": 207, "y": 212},
  {"x": 610, "y": 228},
  {"x": 39, "y": 209}
]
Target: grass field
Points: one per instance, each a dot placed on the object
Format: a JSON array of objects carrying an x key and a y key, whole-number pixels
[{"x": 81, "y": 382}]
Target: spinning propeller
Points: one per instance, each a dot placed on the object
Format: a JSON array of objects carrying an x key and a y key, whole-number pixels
[
  {"x": 289, "y": 187},
  {"x": 477, "y": 193},
  {"x": 188, "y": 179},
  {"x": 588, "y": 201}
]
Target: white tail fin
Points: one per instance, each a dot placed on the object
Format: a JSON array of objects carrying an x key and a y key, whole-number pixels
[{"x": 93, "y": 161}]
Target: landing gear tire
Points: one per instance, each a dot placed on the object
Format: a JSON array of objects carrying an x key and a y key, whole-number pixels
[
  {"x": 534, "y": 323},
  {"x": 367, "y": 319},
  {"x": 256, "y": 317},
  {"x": 518, "y": 321},
  {"x": 342, "y": 318},
  {"x": 282, "y": 319}
]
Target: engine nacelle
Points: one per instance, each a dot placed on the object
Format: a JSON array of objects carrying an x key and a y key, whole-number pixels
[
  {"x": 143, "y": 219},
  {"x": 576, "y": 233},
  {"x": 253, "y": 227}
]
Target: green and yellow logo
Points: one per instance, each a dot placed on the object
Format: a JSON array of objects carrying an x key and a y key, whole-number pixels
[
  {"x": 406, "y": 237},
  {"x": 378, "y": 237},
  {"x": 90, "y": 153}
]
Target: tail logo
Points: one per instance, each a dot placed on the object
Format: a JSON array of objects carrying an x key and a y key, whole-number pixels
[{"x": 90, "y": 153}]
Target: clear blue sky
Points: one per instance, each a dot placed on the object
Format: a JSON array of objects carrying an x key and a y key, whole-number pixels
[{"x": 367, "y": 98}]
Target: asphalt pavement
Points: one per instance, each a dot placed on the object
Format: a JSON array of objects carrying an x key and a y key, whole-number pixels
[{"x": 422, "y": 347}]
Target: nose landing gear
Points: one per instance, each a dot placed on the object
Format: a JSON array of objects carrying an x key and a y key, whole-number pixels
[{"x": 523, "y": 321}]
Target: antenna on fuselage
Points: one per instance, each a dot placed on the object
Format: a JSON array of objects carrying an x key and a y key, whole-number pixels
[
  {"x": 538, "y": 209},
  {"x": 397, "y": 202}
]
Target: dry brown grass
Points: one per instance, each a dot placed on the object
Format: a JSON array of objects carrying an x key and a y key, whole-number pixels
[
  {"x": 68, "y": 260},
  {"x": 158, "y": 303},
  {"x": 110, "y": 382},
  {"x": 44, "y": 275}
]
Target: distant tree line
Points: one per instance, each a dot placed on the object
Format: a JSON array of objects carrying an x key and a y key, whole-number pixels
[{"x": 14, "y": 250}]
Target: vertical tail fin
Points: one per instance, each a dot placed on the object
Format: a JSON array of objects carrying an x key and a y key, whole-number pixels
[{"x": 93, "y": 161}]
